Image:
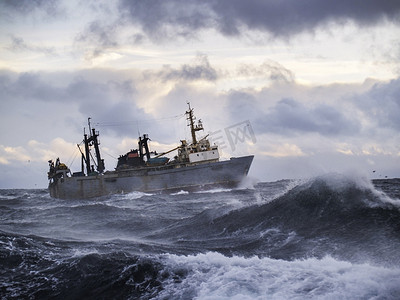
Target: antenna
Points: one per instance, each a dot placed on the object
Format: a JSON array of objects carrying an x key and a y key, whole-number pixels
[
  {"x": 137, "y": 125},
  {"x": 90, "y": 130},
  {"x": 190, "y": 117}
]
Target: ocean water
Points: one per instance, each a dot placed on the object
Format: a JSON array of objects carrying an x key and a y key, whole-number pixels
[{"x": 330, "y": 237}]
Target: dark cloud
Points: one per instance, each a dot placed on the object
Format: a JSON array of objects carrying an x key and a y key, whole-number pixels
[
  {"x": 164, "y": 19},
  {"x": 242, "y": 105},
  {"x": 381, "y": 104},
  {"x": 18, "y": 44},
  {"x": 27, "y": 87},
  {"x": 289, "y": 117},
  {"x": 269, "y": 69},
  {"x": 200, "y": 69},
  {"x": 101, "y": 36},
  {"x": 32, "y": 86},
  {"x": 137, "y": 39},
  {"x": 28, "y": 7},
  {"x": 69, "y": 99},
  {"x": 287, "y": 17},
  {"x": 105, "y": 100}
]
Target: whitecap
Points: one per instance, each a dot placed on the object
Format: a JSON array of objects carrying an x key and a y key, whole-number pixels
[{"x": 215, "y": 276}]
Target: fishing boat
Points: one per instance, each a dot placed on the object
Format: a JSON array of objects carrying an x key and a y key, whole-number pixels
[{"x": 196, "y": 166}]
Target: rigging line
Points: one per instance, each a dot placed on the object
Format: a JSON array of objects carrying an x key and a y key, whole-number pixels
[
  {"x": 122, "y": 123},
  {"x": 109, "y": 154},
  {"x": 94, "y": 161},
  {"x": 73, "y": 159}
]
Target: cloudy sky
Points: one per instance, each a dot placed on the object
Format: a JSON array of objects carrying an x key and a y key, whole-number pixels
[{"x": 307, "y": 86}]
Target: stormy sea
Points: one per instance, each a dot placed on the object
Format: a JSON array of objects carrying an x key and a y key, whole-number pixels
[{"x": 330, "y": 237}]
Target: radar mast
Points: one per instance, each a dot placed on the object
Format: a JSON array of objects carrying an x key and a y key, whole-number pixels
[{"x": 193, "y": 128}]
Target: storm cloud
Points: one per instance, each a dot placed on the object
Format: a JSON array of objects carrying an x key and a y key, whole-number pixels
[
  {"x": 101, "y": 36},
  {"x": 233, "y": 17},
  {"x": 106, "y": 100},
  {"x": 382, "y": 104},
  {"x": 199, "y": 69},
  {"x": 50, "y": 7},
  {"x": 18, "y": 44},
  {"x": 291, "y": 117},
  {"x": 268, "y": 69},
  {"x": 285, "y": 18}
]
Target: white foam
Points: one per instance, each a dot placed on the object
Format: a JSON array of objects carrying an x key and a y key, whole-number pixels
[
  {"x": 340, "y": 182},
  {"x": 83, "y": 252},
  {"x": 248, "y": 183},
  {"x": 216, "y": 190},
  {"x": 292, "y": 183},
  {"x": 134, "y": 195},
  {"x": 214, "y": 276},
  {"x": 180, "y": 193},
  {"x": 6, "y": 197},
  {"x": 124, "y": 200}
]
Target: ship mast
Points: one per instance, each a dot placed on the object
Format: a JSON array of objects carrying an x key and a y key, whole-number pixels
[
  {"x": 190, "y": 117},
  {"x": 92, "y": 141}
]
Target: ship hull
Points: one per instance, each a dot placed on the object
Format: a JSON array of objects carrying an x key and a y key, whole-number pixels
[{"x": 156, "y": 179}]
